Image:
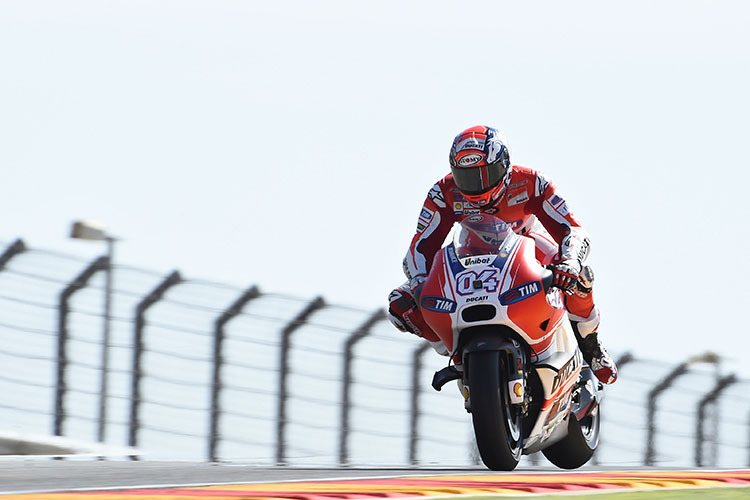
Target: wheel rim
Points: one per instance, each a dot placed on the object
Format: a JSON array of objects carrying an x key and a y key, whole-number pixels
[{"x": 590, "y": 429}]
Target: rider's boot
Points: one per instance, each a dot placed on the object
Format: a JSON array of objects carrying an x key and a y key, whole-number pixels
[
  {"x": 598, "y": 358},
  {"x": 584, "y": 316}
]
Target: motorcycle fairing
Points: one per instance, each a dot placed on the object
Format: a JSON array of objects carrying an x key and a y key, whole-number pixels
[
  {"x": 558, "y": 374},
  {"x": 467, "y": 281},
  {"x": 504, "y": 302}
]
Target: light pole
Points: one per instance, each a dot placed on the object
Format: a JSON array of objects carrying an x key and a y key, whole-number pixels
[{"x": 94, "y": 231}]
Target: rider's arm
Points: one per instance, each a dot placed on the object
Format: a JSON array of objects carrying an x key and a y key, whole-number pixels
[
  {"x": 434, "y": 223},
  {"x": 551, "y": 209}
]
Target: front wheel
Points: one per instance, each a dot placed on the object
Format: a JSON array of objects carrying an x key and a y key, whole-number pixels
[
  {"x": 579, "y": 445},
  {"x": 497, "y": 423}
]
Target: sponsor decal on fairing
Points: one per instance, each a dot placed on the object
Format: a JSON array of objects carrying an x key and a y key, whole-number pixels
[
  {"x": 473, "y": 261},
  {"x": 438, "y": 304},
  {"x": 520, "y": 293},
  {"x": 453, "y": 262},
  {"x": 564, "y": 373}
]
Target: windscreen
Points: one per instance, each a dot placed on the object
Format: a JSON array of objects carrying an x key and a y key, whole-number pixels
[{"x": 481, "y": 235}]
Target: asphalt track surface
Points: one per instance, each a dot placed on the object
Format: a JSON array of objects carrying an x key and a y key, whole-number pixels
[
  {"x": 27, "y": 476},
  {"x": 54, "y": 475}
]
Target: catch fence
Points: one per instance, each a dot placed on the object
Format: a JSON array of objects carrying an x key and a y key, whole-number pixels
[{"x": 199, "y": 370}]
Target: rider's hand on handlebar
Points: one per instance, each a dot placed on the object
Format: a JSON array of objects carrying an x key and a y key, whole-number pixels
[{"x": 566, "y": 274}]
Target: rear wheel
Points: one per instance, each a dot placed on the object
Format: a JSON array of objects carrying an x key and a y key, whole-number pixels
[
  {"x": 579, "y": 445},
  {"x": 497, "y": 424}
]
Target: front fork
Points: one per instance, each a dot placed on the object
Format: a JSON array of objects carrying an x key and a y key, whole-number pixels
[{"x": 515, "y": 367}]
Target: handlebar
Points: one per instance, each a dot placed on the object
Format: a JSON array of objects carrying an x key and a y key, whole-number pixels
[{"x": 547, "y": 278}]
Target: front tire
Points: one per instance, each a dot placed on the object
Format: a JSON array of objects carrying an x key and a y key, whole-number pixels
[{"x": 497, "y": 423}]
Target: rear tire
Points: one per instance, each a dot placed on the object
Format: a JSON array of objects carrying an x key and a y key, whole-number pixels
[
  {"x": 497, "y": 424},
  {"x": 578, "y": 446}
]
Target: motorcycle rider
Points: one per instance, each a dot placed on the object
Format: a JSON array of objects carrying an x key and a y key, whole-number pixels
[{"x": 483, "y": 180}]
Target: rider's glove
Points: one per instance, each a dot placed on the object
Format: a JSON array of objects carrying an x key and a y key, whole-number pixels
[
  {"x": 416, "y": 282},
  {"x": 566, "y": 274}
]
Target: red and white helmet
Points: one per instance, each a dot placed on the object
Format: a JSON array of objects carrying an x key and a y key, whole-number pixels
[{"x": 480, "y": 164}]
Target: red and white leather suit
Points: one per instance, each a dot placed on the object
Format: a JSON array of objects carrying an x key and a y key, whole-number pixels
[{"x": 532, "y": 206}]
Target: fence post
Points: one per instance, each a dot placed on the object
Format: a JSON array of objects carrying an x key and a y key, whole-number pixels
[
  {"x": 286, "y": 342},
  {"x": 358, "y": 334},
  {"x": 664, "y": 384},
  {"x": 624, "y": 359},
  {"x": 221, "y": 321},
  {"x": 416, "y": 368},
  {"x": 140, "y": 322},
  {"x": 62, "y": 337},
  {"x": 711, "y": 397},
  {"x": 13, "y": 249}
]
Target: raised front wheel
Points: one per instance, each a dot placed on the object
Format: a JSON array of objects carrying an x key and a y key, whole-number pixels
[{"x": 497, "y": 424}]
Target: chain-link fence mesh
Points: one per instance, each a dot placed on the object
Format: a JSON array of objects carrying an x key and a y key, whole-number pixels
[{"x": 270, "y": 382}]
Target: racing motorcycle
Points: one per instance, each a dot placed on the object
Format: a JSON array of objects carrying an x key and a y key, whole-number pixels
[{"x": 513, "y": 348}]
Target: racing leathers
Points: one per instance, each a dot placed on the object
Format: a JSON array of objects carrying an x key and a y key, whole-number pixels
[{"x": 532, "y": 206}]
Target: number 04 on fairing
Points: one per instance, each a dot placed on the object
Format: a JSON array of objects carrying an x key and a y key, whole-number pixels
[{"x": 516, "y": 357}]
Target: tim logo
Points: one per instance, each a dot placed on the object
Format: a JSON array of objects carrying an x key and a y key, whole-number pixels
[
  {"x": 520, "y": 292},
  {"x": 438, "y": 304}
]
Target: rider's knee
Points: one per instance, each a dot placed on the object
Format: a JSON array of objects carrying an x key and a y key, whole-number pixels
[{"x": 406, "y": 316}]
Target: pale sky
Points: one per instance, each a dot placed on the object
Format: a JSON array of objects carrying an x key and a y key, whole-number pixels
[{"x": 290, "y": 144}]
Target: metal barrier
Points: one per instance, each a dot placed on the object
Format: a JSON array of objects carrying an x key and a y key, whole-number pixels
[{"x": 209, "y": 371}]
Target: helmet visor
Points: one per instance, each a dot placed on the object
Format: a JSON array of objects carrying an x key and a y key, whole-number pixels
[{"x": 478, "y": 180}]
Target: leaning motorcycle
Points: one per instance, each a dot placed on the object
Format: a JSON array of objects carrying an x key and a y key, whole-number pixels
[{"x": 513, "y": 349}]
